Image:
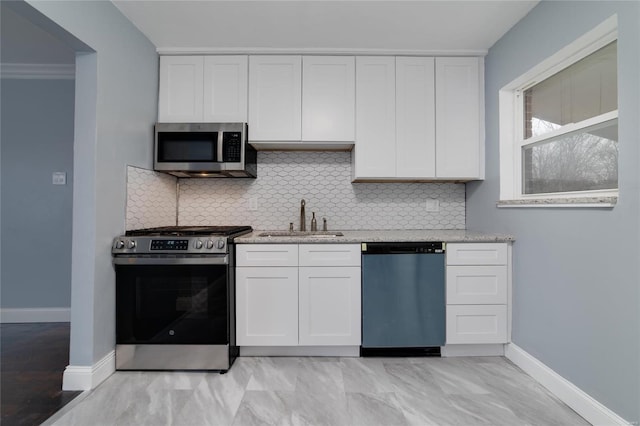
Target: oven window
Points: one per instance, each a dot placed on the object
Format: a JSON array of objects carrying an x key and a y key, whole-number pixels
[{"x": 183, "y": 304}]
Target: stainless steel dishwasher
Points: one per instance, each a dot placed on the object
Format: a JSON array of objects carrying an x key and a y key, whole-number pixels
[{"x": 403, "y": 298}]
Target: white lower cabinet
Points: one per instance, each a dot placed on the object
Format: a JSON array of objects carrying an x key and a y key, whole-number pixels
[
  {"x": 329, "y": 306},
  {"x": 310, "y": 296},
  {"x": 477, "y": 281},
  {"x": 267, "y": 306}
]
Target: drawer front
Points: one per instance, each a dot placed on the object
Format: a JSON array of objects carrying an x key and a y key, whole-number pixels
[
  {"x": 477, "y": 254},
  {"x": 476, "y": 285},
  {"x": 330, "y": 255},
  {"x": 267, "y": 255},
  {"x": 476, "y": 324}
]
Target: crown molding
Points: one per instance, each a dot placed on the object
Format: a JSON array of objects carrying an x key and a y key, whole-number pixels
[
  {"x": 38, "y": 71},
  {"x": 314, "y": 51}
]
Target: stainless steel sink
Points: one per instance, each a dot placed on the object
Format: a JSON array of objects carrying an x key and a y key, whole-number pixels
[{"x": 299, "y": 234}]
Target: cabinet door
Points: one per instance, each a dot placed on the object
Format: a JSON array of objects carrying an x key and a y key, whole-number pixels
[
  {"x": 266, "y": 306},
  {"x": 275, "y": 98},
  {"x": 459, "y": 118},
  {"x": 328, "y": 98},
  {"x": 329, "y": 306},
  {"x": 375, "y": 149},
  {"x": 415, "y": 118},
  {"x": 225, "y": 89},
  {"x": 181, "y": 87}
]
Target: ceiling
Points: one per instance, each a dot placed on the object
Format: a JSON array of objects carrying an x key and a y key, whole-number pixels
[{"x": 418, "y": 27}]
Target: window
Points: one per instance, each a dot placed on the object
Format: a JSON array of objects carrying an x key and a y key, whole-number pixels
[{"x": 559, "y": 124}]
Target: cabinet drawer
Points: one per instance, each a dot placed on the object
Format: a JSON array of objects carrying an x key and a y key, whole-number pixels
[
  {"x": 477, "y": 254},
  {"x": 329, "y": 255},
  {"x": 480, "y": 285},
  {"x": 267, "y": 255},
  {"x": 476, "y": 324}
]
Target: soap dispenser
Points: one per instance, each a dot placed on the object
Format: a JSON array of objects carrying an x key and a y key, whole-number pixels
[{"x": 314, "y": 223}]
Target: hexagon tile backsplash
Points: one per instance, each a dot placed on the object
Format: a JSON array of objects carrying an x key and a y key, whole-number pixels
[
  {"x": 151, "y": 199},
  {"x": 323, "y": 179}
]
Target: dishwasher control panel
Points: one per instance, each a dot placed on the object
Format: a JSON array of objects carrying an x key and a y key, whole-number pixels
[{"x": 408, "y": 247}]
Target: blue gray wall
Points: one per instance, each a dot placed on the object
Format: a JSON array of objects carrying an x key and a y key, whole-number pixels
[
  {"x": 576, "y": 274},
  {"x": 37, "y": 139},
  {"x": 116, "y": 106}
]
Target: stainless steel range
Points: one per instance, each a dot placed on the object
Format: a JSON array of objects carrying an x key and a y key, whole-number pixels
[{"x": 175, "y": 298}]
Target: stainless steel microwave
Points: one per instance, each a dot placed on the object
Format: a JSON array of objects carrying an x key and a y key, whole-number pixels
[{"x": 204, "y": 150}]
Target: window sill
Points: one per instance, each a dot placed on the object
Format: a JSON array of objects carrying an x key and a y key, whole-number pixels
[{"x": 576, "y": 203}]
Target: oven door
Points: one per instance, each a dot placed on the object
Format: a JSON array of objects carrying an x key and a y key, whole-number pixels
[{"x": 172, "y": 303}]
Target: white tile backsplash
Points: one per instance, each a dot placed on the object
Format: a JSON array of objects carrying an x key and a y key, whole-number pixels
[
  {"x": 151, "y": 199},
  {"x": 323, "y": 179}
]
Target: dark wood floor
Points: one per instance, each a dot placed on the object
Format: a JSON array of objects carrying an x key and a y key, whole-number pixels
[{"x": 32, "y": 359}]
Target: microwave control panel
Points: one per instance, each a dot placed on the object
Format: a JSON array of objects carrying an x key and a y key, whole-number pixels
[{"x": 232, "y": 147}]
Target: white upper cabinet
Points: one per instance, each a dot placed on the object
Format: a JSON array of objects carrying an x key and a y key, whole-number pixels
[
  {"x": 415, "y": 118},
  {"x": 181, "y": 89},
  {"x": 275, "y": 98},
  {"x": 225, "y": 89},
  {"x": 300, "y": 102},
  {"x": 328, "y": 98},
  {"x": 423, "y": 123},
  {"x": 375, "y": 150},
  {"x": 195, "y": 89},
  {"x": 459, "y": 118}
]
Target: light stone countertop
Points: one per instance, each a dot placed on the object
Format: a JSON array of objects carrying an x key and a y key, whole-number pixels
[{"x": 373, "y": 236}]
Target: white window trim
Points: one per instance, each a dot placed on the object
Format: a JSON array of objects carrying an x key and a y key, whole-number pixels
[{"x": 510, "y": 114}]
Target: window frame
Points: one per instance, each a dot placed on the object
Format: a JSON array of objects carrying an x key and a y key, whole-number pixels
[{"x": 511, "y": 111}]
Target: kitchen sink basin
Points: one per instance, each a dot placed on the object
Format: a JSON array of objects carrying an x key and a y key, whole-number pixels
[{"x": 298, "y": 234}]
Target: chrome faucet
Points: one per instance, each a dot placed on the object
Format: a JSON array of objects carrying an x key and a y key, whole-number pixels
[{"x": 303, "y": 218}]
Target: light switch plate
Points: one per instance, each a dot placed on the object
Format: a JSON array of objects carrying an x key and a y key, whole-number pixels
[
  {"x": 59, "y": 178},
  {"x": 432, "y": 205}
]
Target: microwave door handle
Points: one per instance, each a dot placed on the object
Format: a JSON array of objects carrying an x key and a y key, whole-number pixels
[{"x": 219, "y": 147}]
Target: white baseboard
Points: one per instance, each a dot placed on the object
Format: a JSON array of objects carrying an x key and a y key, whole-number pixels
[
  {"x": 583, "y": 404},
  {"x": 88, "y": 377},
  {"x": 15, "y": 315}
]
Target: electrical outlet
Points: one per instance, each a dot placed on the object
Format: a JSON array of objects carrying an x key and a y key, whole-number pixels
[
  {"x": 59, "y": 178},
  {"x": 432, "y": 205},
  {"x": 253, "y": 204}
]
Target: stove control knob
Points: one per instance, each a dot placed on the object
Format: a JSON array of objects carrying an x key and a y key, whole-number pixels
[
  {"x": 131, "y": 244},
  {"x": 220, "y": 244},
  {"x": 209, "y": 244},
  {"x": 119, "y": 244},
  {"x": 198, "y": 244}
]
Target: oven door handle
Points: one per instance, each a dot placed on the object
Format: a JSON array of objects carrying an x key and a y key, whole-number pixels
[{"x": 137, "y": 260}]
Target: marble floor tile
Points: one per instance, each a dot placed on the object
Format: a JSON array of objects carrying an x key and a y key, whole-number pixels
[
  {"x": 365, "y": 375},
  {"x": 265, "y": 408},
  {"x": 457, "y": 376},
  {"x": 367, "y": 409},
  {"x": 275, "y": 373},
  {"x": 326, "y": 391},
  {"x": 483, "y": 410},
  {"x": 412, "y": 379},
  {"x": 420, "y": 410},
  {"x": 320, "y": 409}
]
